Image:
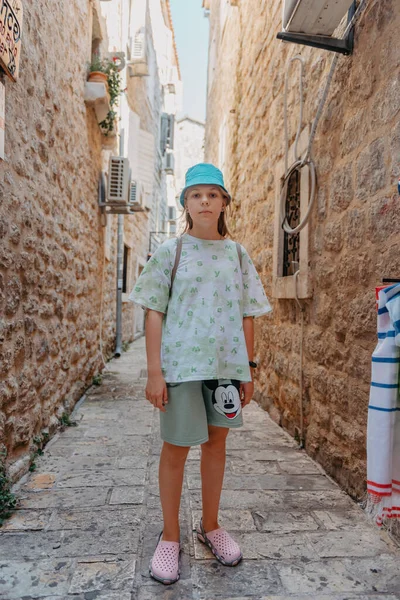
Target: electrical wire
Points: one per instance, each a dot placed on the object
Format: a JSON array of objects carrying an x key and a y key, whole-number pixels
[
  {"x": 301, "y": 408},
  {"x": 298, "y": 164},
  {"x": 296, "y": 155}
]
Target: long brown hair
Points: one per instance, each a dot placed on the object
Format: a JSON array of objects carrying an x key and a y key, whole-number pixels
[{"x": 223, "y": 228}]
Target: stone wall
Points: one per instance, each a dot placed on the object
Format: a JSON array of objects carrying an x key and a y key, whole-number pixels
[
  {"x": 52, "y": 248},
  {"x": 354, "y": 229}
]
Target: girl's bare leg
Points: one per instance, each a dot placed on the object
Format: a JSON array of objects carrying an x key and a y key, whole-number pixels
[
  {"x": 212, "y": 474},
  {"x": 172, "y": 464}
]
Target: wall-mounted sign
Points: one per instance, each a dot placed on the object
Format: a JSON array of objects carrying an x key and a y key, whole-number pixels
[
  {"x": 2, "y": 117},
  {"x": 10, "y": 36}
]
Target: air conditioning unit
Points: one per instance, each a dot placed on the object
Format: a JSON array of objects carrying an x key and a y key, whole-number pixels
[
  {"x": 169, "y": 164},
  {"x": 313, "y": 22},
  {"x": 118, "y": 180},
  {"x": 314, "y": 17},
  {"x": 136, "y": 195}
]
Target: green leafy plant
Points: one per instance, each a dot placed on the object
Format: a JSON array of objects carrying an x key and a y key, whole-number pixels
[
  {"x": 114, "y": 83},
  {"x": 8, "y": 500},
  {"x": 98, "y": 65},
  {"x": 97, "y": 379},
  {"x": 108, "y": 125},
  {"x": 66, "y": 420},
  {"x": 114, "y": 89}
]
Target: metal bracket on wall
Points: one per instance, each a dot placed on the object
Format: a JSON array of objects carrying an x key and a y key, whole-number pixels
[
  {"x": 324, "y": 42},
  {"x": 319, "y": 41}
]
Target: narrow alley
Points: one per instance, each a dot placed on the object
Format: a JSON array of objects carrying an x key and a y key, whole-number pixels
[{"x": 89, "y": 516}]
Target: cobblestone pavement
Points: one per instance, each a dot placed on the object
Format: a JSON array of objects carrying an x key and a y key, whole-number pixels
[{"x": 90, "y": 514}]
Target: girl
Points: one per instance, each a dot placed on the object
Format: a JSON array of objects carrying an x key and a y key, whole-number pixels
[{"x": 199, "y": 344}]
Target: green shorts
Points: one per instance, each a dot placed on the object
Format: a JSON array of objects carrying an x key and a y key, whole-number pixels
[{"x": 194, "y": 405}]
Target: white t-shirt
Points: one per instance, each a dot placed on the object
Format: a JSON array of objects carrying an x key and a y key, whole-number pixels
[{"x": 202, "y": 336}]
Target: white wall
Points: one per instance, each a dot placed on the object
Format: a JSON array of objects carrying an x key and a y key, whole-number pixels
[{"x": 189, "y": 136}]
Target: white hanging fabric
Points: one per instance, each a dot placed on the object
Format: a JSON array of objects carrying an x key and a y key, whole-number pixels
[{"x": 383, "y": 432}]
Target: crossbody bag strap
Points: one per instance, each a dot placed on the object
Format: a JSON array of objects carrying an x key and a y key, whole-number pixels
[
  {"x": 177, "y": 259},
  {"x": 239, "y": 251}
]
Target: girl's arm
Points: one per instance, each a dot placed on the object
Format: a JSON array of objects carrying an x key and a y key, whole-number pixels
[
  {"x": 156, "y": 388},
  {"x": 248, "y": 329},
  {"x": 247, "y": 389}
]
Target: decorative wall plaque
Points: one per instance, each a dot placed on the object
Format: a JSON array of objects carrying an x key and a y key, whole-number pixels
[{"x": 11, "y": 12}]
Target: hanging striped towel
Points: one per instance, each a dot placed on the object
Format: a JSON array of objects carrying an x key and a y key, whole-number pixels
[{"x": 383, "y": 433}]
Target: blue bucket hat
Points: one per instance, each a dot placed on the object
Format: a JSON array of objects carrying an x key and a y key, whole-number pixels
[{"x": 203, "y": 174}]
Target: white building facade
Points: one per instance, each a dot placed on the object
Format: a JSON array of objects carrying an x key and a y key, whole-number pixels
[{"x": 142, "y": 31}]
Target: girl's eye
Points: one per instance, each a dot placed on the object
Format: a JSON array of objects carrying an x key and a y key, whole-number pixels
[{"x": 213, "y": 195}]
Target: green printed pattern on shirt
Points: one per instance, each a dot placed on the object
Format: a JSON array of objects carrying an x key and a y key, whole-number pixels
[{"x": 202, "y": 329}]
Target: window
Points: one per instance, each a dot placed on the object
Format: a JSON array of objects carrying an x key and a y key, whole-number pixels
[
  {"x": 290, "y": 253},
  {"x": 291, "y": 243},
  {"x": 171, "y": 213},
  {"x": 172, "y": 228},
  {"x": 167, "y": 132}
]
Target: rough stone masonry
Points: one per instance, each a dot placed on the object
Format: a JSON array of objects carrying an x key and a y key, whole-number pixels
[
  {"x": 51, "y": 237},
  {"x": 353, "y": 237}
]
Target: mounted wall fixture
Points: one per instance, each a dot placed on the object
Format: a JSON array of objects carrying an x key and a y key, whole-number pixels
[
  {"x": 313, "y": 22},
  {"x": 118, "y": 193}
]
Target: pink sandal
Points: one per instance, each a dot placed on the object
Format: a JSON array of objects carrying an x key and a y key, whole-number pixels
[
  {"x": 164, "y": 565},
  {"x": 221, "y": 544}
]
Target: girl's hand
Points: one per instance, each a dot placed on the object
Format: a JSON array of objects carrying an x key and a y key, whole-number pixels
[
  {"x": 246, "y": 392},
  {"x": 156, "y": 391}
]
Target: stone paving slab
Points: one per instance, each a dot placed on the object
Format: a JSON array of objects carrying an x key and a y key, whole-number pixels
[
  {"x": 56, "y": 579},
  {"x": 240, "y": 520},
  {"x": 60, "y": 498},
  {"x": 268, "y": 482},
  {"x": 279, "y": 500},
  {"x": 69, "y": 543},
  {"x": 89, "y": 516},
  {"x": 312, "y": 521}
]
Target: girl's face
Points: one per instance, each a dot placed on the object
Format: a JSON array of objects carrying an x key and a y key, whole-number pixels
[{"x": 205, "y": 203}]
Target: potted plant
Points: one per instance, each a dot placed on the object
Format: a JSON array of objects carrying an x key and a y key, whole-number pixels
[{"x": 98, "y": 71}]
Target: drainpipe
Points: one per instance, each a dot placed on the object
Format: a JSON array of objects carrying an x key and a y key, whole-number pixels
[{"x": 120, "y": 266}]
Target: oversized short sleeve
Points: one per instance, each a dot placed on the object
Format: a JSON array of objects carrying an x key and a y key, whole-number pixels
[
  {"x": 255, "y": 301},
  {"x": 151, "y": 289}
]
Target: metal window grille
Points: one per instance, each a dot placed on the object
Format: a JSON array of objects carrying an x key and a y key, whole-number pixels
[{"x": 291, "y": 243}]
